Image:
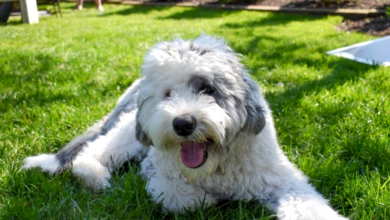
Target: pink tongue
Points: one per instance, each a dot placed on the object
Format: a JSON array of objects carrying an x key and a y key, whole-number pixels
[{"x": 192, "y": 154}]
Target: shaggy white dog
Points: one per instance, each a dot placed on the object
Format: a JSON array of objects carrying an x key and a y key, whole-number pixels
[{"x": 203, "y": 131}]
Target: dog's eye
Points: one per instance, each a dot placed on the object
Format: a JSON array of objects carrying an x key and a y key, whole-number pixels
[
  {"x": 206, "y": 89},
  {"x": 167, "y": 94}
]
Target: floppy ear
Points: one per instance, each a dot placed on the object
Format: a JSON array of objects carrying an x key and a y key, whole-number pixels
[
  {"x": 255, "y": 120},
  {"x": 140, "y": 134}
]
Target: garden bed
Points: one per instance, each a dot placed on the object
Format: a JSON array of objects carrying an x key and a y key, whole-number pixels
[
  {"x": 366, "y": 16},
  {"x": 373, "y": 26},
  {"x": 379, "y": 26},
  {"x": 357, "y": 4}
]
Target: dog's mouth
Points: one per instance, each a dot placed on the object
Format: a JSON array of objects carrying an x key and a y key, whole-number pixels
[{"x": 194, "y": 154}]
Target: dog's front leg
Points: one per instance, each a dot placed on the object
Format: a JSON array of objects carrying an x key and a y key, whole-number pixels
[
  {"x": 178, "y": 195},
  {"x": 94, "y": 163},
  {"x": 103, "y": 147},
  {"x": 302, "y": 202}
]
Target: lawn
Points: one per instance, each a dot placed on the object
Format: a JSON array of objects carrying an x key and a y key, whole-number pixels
[{"x": 61, "y": 75}]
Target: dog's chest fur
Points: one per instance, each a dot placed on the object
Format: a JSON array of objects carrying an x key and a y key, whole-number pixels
[
  {"x": 243, "y": 172},
  {"x": 240, "y": 174}
]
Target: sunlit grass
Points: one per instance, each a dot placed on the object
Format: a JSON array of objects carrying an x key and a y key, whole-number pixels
[{"x": 61, "y": 75}]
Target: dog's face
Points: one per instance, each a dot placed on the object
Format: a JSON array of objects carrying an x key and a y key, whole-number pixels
[{"x": 194, "y": 100}]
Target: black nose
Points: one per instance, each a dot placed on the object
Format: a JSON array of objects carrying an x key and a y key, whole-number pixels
[{"x": 184, "y": 125}]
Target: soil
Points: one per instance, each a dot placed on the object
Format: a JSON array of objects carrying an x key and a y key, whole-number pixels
[
  {"x": 379, "y": 26},
  {"x": 372, "y": 26},
  {"x": 352, "y": 4}
]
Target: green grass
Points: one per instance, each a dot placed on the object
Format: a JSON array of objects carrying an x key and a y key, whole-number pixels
[{"x": 61, "y": 75}]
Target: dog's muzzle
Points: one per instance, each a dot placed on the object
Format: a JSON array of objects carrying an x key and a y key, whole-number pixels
[{"x": 193, "y": 154}]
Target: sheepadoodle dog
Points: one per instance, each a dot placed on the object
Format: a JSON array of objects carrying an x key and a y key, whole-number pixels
[{"x": 202, "y": 131}]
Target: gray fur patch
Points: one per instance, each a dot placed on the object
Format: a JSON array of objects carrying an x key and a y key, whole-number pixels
[
  {"x": 68, "y": 153},
  {"x": 198, "y": 84},
  {"x": 255, "y": 121},
  {"x": 141, "y": 136},
  {"x": 200, "y": 51}
]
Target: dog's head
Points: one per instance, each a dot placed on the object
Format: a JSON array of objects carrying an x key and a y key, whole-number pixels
[{"x": 194, "y": 100}]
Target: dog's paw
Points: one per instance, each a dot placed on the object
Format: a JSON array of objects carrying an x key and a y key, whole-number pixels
[
  {"x": 321, "y": 212},
  {"x": 46, "y": 162},
  {"x": 176, "y": 195},
  {"x": 92, "y": 173}
]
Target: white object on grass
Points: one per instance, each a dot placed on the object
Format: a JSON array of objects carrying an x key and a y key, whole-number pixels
[{"x": 374, "y": 52}]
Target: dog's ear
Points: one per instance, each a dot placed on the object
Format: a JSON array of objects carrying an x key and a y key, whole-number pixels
[
  {"x": 141, "y": 135},
  {"x": 255, "y": 120}
]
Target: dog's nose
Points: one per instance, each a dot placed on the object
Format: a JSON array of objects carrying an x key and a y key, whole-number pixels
[{"x": 184, "y": 125}]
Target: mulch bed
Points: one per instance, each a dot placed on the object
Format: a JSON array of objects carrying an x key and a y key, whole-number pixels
[
  {"x": 379, "y": 26},
  {"x": 353, "y": 4},
  {"x": 373, "y": 26}
]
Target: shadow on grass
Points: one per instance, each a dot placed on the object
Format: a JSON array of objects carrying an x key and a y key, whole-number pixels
[
  {"x": 35, "y": 80},
  {"x": 342, "y": 71},
  {"x": 197, "y": 13},
  {"x": 271, "y": 50},
  {"x": 13, "y": 22},
  {"x": 358, "y": 144},
  {"x": 136, "y": 10},
  {"x": 275, "y": 19},
  {"x": 72, "y": 6}
]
